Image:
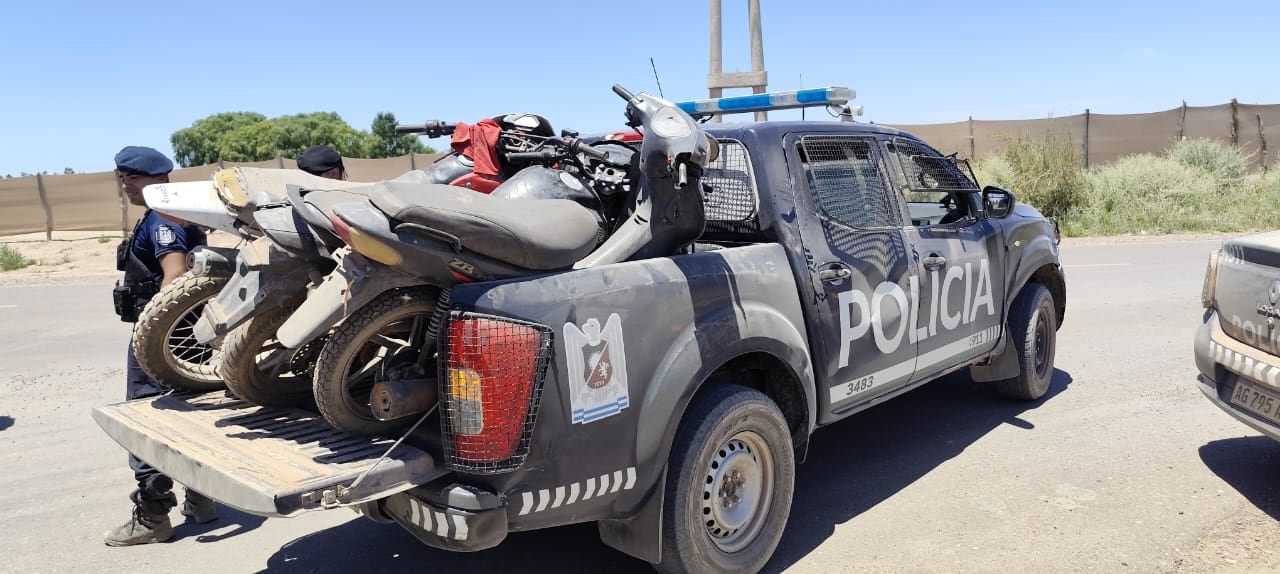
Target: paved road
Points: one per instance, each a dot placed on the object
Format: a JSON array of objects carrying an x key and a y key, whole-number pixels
[{"x": 1124, "y": 467}]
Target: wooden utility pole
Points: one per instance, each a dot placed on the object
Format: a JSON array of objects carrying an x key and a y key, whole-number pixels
[{"x": 757, "y": 79}]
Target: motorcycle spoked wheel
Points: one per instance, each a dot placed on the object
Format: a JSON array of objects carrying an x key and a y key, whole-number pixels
[
  {"x": 164, "y": 342},
  {"x": 382, "y": 341},
  {"x": 258, "y": 369}
]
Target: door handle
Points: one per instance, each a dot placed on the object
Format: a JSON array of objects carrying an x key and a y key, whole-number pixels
[
  {"x": 834, "y": 273},
  {"x": 934, "y": 261}
]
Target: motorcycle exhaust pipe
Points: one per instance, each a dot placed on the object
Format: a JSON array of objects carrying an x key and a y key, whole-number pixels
[
  {"x": 392, "y": 400},
  {"x": 204, "y": 260}
]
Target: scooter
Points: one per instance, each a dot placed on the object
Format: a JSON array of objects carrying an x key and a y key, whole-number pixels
[{"x": 408, "y": 247}]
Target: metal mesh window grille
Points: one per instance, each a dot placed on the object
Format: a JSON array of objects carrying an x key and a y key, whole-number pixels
[
  {"x": 925, "y": 170},
  {"x": 491, "y": 386},
  {"x": 732, "y": 206},
  {"x": 846, "y": 181}
]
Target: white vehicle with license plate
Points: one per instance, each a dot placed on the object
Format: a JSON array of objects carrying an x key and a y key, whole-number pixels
[{"x": 1237, "y": 346}]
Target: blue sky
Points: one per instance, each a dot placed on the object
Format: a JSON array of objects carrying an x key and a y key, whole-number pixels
[{"x": 83, "y": 79}]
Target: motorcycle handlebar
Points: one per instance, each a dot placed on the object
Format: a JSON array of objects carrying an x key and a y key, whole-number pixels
[
  {"x": 434, "y": 128},
  {"x": 560, "y": 150},
  {"x": 593, "y": 152},
  {"x": 623, "y": 93},
  {"x": 544, "y": 155}
]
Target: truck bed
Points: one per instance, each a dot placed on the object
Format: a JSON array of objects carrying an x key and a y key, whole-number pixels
[{"x": 261, "y": 460}]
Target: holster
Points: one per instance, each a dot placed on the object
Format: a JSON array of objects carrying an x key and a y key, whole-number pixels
[{"x": 131, "y": 295}]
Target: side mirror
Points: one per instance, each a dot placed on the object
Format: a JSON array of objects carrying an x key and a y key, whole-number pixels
[{"x": 998, "y": 201}]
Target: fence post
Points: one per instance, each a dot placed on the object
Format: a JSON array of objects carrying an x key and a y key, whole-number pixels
[
  {"x": 1182, "y": 121},
  {"x": 1086, "y": 138},
  {"x": 1235, "y": 124},
  {"x": 973, "y": 148},
  {"x": 280, "y": 161},
  {"x": 124, "y": 209},
  {"x": 1262, "y": 136},
  {"x": 44, "y": 202},
  {"x": 413, "y": 163}
]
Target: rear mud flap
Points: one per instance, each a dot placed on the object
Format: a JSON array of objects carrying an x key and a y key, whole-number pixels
[
  {"x": 263, "y": 279},
  {"x": 273, "y": 462},
  {"x": 352, "y": 285}
]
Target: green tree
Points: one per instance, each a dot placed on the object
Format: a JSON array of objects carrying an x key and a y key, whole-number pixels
[
  {"x": 301, "y": 131},
  {"x": 388, "y": 143},
  {"x": 249, "y": 142},
  {"x": 248, "y": 136},
  {"x": 201, "y": 143}
]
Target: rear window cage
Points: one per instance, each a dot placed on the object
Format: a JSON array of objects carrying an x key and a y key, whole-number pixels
[
  {"x": 732, "y": 201},
  {"x": 924, "y": 170}
]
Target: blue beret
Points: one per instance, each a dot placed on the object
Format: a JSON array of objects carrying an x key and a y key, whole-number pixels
[{"x": 143, "y": 160}]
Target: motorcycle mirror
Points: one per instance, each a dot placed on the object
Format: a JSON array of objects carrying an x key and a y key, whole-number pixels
[{"x": 713, "y": 149}]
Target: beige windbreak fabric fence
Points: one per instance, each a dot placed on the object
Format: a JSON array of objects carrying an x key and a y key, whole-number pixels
[{"x": 92, "y": 201}]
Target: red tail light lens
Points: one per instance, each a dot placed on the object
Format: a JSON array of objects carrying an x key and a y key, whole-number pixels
[
  {"x": 341, "y": 228},
  {"x": 492, "y": 378}
]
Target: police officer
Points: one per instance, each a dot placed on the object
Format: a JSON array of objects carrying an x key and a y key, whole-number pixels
[
  {"x": 152, "y": 256},
  {"x": 323, "y": 161}
]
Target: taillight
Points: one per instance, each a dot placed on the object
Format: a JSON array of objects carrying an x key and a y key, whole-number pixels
[
  {"x": 1208, "y": 292},
  {"x": 341, "y": 228},
  {"x": 363, "y": 243},
  {"x": 493, "y": 374}
]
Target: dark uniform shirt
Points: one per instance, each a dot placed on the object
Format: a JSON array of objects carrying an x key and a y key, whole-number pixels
[{"x": 157, "y": 237}]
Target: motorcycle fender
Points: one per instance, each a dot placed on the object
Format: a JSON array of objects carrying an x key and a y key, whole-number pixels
[
  {"x": 265, "y": 278},
  {"x": 352, "y": 285}
]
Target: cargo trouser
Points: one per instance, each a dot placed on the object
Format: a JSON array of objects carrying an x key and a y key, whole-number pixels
[{"x": 151, "y": 484}]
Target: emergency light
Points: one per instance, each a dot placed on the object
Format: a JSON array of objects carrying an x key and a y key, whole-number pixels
[{"x": 815, "y": 97}]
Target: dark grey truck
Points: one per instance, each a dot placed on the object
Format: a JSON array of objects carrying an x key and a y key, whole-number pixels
[{"x": 668, "y": 400}]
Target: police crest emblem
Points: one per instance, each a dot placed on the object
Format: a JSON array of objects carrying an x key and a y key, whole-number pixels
[
  {"x": 164, "y": 235},
  {"x": 597, "y": 363}
]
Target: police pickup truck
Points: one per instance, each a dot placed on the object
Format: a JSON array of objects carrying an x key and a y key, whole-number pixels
[{"x": 670, "y": 399}]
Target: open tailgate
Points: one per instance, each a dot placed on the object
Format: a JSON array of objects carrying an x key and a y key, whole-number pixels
[{"x": 261, "y": 460}]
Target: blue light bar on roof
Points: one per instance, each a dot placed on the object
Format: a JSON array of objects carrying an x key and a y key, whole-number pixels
[{"x": 769, "y": 101}]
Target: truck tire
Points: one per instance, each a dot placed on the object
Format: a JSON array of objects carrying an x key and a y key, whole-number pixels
[
  {"x": 344, "y": 405},
  {"x": 163, "y": 340},
  {"x": 729, "y": 487},
  {"x": 1033, "y": 336},
  {"x": 249, "y": 376}
]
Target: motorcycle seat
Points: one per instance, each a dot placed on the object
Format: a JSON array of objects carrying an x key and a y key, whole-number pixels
[{"x": 535, "y": 234}]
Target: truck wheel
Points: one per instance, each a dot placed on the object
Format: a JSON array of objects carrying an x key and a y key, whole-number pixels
[
  {"x": 374, "y": 344},
  {"x": 164, "y": 341},
  {"x": 258, "y": 369},
  {"x": 1033, "y": 336},
  {"x": 729, "y": 487}
]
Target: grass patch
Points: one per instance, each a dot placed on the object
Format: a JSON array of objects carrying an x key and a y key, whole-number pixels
[
  {"x": 103, "y": 240},
  {"x": 1193, "y": 186},
  {"x": 11, "y": 259}
]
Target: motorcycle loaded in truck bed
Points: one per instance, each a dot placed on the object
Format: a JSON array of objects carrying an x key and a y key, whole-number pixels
[{"x": 265, "y": 461}]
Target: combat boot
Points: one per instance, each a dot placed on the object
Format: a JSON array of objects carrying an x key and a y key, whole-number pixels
[
  {"x": 199, "y": 507},
  {"x": 150, "y": 522}
]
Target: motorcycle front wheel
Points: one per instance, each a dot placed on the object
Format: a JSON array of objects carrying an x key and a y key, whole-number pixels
[
  {"x": 164, "y": 342},
  {"x": 382, "y": 341}
]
